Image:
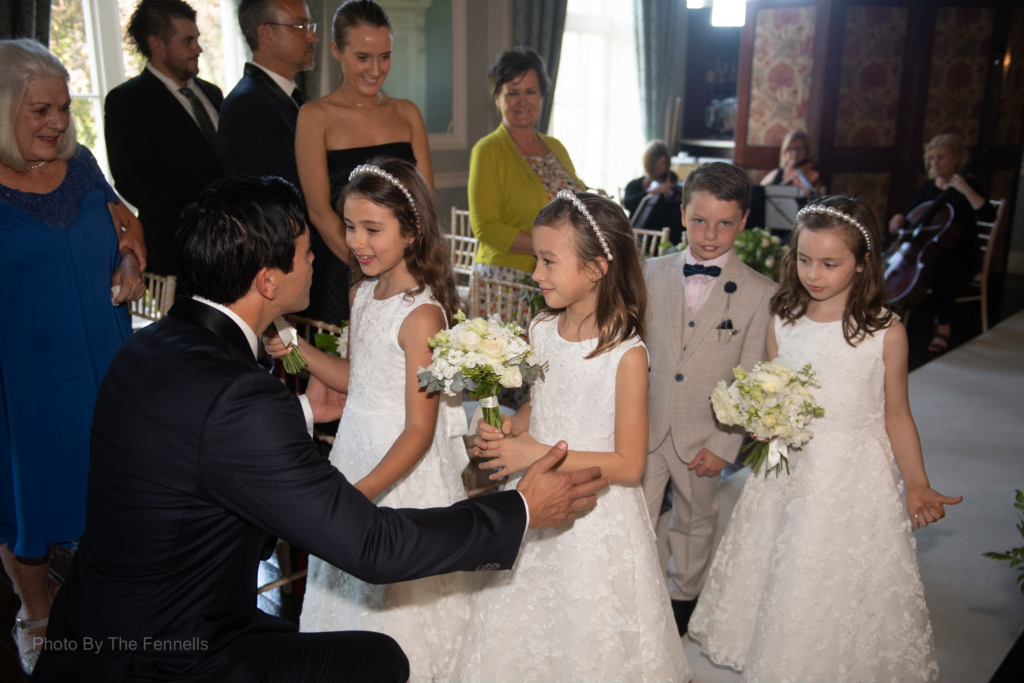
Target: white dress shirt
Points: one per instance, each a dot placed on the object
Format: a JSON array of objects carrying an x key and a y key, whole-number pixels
[
  {"x": 282, "y": 82},
  {"x": 191, "y": 85},
  {"x": 250, "y": 336}
]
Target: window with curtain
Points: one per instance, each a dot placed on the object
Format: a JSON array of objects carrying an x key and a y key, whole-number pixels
[
  {"x": 88, "y": 38},
  {"x": 596, "y": 112}
]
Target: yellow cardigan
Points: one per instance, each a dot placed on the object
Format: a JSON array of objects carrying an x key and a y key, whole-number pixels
[{"x": 505, "y": 195}]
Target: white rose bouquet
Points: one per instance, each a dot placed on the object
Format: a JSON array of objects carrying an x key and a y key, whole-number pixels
[
  {"x": 773, "y": 404},
  {"x": 481, "y": 356}
]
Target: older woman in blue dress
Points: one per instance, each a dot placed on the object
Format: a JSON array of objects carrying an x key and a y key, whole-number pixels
[{"x": 72, "y": 258}]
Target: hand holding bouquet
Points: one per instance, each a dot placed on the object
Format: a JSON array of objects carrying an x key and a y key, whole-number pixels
[
  {"x": 482, "y": 356},
  {"x": 772, "y": 403}
]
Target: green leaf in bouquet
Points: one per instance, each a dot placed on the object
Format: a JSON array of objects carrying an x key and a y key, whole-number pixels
[
  {"x": 328, "y": 343},
  {"x": 294, "y": 361}
]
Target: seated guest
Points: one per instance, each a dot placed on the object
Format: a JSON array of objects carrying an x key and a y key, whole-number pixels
[
  {"x": 200, "y": 459},
  {"x": 659, "y": 183},
  {"x": 795, "y": 165},
  {"x": 161, "y": 126},
  {"x": 945, "y": 156},
  {"x": 257, "y": 133},
  {"x": 61, "y": 268},
  {"x": 515, "y": 171},
  {"x": 349, "y": 127}
]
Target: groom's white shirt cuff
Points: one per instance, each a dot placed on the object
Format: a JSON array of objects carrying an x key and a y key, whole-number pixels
[
  {"x": 250, "y": 336},
  {"x": 527, "y": 506}
]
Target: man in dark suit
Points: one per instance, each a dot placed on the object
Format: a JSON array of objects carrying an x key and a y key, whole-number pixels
[
  {"x": 257, "y": 135},
  {"x": 161, "y": 126},
  {"x": 200, "y": 459}
]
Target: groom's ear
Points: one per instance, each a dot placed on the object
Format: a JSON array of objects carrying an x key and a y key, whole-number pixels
[{"x": 266, "y": 283}]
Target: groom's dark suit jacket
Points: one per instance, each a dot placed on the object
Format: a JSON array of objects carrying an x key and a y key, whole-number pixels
[
  {"x": 199, "y": 460},
  {"x": 159, "y": 158}
]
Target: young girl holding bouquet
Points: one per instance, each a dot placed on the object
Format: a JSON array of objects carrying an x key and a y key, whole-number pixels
[
  {"x": 393, "y": 440},
  {"x": 585, "y": 601},
  {"x": 816, "y": 578}
]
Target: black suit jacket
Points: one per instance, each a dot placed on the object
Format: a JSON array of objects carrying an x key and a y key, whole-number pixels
[
  {"x": 199, "y": 460},
  {"x": 257, "y": 128},
  {"x": 159, "y": 158}
]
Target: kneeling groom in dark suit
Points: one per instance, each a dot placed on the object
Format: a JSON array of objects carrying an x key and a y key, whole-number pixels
[{"x": 200, "y": 459}]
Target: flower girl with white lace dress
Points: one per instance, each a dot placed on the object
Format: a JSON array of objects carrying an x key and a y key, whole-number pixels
[
  {"x": 585, "y": 601},
  {"x": 393, "y": 439},
  {"x": 816, "y": 577}
]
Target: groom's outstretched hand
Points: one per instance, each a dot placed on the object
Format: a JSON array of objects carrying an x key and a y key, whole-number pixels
[{"x": 554, "y": 498}]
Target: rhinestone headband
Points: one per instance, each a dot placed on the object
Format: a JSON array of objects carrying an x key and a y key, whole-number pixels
[
  {"x": 835, "y": 213},
  {"x": 578, "y": 203},
  {"x": 369, "y": 169}
]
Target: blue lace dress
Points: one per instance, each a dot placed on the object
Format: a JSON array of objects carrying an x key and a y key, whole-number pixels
[{"x": 59, "y": 334}]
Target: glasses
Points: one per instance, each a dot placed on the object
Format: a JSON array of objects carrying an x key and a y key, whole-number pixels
[{"x": 305, "y": 28}]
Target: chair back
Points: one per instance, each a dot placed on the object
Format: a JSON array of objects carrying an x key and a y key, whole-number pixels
[
  {"x": 308, "y": 327},
  {"x": 460, "y": 223},
  {"x": 158, "y": 299},
  {"x": 508, "y": 300},
  {"x": 649, "y": 242},
  {"x": 988, "y": 233}
]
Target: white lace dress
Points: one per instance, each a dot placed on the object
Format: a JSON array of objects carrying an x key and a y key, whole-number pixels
[
  {"x": 816, "y": 577},
  {"x": 426, "y": 616},
  {"x": 585, "y": 601}
]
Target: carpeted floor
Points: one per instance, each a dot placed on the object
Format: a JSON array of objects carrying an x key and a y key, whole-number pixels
[{"x": 967, "y": 405}]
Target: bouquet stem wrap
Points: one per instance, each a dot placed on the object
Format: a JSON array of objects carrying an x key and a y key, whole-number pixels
[
  {"x": 775, "y": 452},
  {"x": 492, "y": 413}
]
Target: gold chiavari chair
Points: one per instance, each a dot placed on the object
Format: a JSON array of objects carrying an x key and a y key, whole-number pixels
[
  {"x": 649, "y": 241},
  {"x": 987, "y": 235},
  {"x": 158, "y": 299}
]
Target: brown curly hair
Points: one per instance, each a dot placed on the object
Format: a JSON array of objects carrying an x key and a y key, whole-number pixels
[
  {"x": 428, "y": 258},
  {"x": 866, "y": 309},
  {"x": 622, "y": 292}
]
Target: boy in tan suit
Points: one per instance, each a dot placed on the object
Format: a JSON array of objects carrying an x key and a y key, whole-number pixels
[{"x": 708, "y": 313}]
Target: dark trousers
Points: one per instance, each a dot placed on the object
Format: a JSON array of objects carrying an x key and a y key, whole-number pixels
[
  {"x": 950, "y": 276},
  {"x": 342, "y": 657}
]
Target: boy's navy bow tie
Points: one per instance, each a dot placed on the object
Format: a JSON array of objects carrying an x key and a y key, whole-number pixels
[{"x": 699, "y": 269}]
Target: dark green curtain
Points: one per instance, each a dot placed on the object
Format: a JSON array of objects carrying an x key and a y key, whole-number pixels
[
  {"x": 539, "y": 24},
  {"x": 25, "y": 19},
  {"x": 655, "y": 26}
]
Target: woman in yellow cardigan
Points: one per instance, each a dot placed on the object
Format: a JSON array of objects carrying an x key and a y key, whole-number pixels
[{"x": 515, "y": 171}]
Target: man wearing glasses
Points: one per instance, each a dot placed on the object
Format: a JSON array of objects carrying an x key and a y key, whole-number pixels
[{"x": 257, "y": 121}]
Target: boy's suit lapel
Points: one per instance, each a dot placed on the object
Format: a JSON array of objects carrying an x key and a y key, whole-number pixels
[
  {"x": 712, "y": 313},
  {"x": 672, "y": 291}
]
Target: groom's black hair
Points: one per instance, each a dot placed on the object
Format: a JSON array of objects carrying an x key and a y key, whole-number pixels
[{"x": 237, "y": 227}]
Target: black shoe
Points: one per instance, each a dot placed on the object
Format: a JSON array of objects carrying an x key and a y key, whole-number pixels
[{"x": 682, "y": 609}]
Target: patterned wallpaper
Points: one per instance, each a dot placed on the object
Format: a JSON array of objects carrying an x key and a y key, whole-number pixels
[
  {"x": 869, "y": 87},
  {"x": 1002, "y": 183},
  {"x": 956, "y": 88},
  {"x": 781, "y": 73},
  {"x": 873, "y": 188},
  {"x": 1011, "y": 105}
]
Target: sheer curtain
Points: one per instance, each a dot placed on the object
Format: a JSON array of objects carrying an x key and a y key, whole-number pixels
[{"x": 596, "y": 112}]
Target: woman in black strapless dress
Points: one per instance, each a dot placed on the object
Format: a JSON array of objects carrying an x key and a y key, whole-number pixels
[{"x": 353, "y": 125}]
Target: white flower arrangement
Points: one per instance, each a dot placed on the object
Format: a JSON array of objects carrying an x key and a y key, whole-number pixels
[
  {"x": 773, "y": 404},
  {"x": 481, "y": 356}
]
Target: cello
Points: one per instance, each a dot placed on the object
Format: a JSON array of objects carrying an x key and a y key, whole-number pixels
[{"x": 930, "y": 231}]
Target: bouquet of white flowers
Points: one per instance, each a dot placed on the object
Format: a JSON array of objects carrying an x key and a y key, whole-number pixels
[
  {"x": 773, "y": 404},
  {"x": 334, "y": 345},
  {"x": 481, "y": 356}
]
